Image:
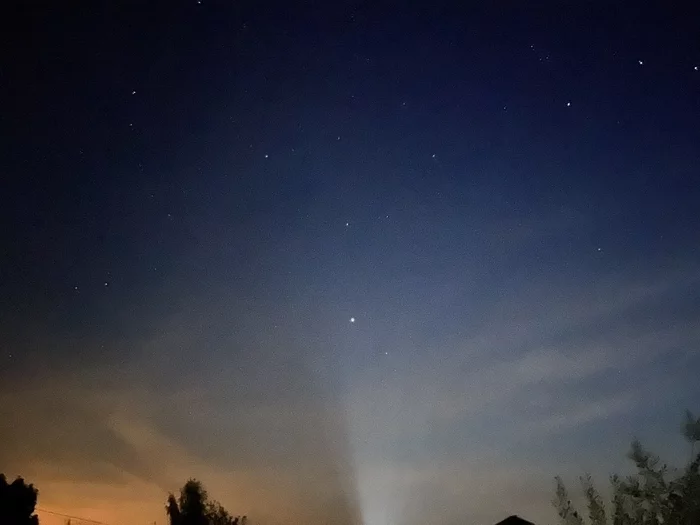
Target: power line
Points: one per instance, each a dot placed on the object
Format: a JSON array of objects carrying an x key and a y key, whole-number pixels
[{"x": 88, "y": 520}]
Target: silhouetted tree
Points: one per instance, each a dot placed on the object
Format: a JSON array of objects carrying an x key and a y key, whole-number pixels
[
  {"x": 17, "y": 502},
  {"x": 173, "y": 510},
  {"x": 648, "y": 498},
  {"x": 218, "y": 515},
  {"x": 193, "y": 507},
  {"x": 193, "y": 500},
  {"x": 691, "y": 431}
]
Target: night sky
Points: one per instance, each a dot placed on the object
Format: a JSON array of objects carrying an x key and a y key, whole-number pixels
[{"x": 345, "y": 262}]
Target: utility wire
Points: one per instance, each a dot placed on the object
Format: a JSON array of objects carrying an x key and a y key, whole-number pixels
[{"x": 88, "y": 520}]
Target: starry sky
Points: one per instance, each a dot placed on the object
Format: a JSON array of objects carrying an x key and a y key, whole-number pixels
[{"x": 348, "y": 262}]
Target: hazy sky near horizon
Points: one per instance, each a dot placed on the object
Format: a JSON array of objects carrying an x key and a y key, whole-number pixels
[{"x": 343, "y": 261}]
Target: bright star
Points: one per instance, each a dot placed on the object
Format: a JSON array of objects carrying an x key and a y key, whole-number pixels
[{"x": 352, "y": 319}]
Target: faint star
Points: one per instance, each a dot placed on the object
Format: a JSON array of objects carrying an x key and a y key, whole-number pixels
[
  {"x": 386, "y": 353},
  {"x": 695, "y": 68},
  {"x": 641, "y": 62},
  {"x": 133, "y": 92},
  {"x": 75, "y": 288},
  {"x": 338, "y": 137},
  {"x": 106, "y": 284},
  {"x": 352, "y": 319},
  {"x": 267, "y": 156},
  {"x": 347, "y": 224},
  {"x": 433, "y": 155}
]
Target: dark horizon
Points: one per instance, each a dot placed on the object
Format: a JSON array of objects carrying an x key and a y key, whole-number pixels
[{"x": 342, "y": 259}]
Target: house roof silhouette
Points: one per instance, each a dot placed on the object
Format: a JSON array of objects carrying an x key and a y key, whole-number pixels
[{"x": 514, "y": 520}]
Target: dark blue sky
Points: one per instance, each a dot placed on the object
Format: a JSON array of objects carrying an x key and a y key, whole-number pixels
[{"x": 197, "y": 199}]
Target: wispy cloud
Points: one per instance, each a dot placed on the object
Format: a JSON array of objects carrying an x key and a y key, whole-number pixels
[{"x": 401, "y": 439}]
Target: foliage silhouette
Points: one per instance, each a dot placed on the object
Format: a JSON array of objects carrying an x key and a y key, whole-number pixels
[
  {"x": 17, "y": 502},
  {"x": 647, "y": 498},
  {"x": 194, "y": 508},
  {"x": 691, "y": 431}
]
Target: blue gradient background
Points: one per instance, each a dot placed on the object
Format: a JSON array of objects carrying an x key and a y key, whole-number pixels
[{"x": 180, "y": 265}]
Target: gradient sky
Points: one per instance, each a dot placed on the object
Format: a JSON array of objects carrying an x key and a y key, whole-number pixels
[{"x": 345, "y": 262}]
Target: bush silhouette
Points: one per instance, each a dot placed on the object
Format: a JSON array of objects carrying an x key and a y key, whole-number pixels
[
  {"x": 649, "y": 497},
  {"x": 194, "y": 508},
  {"x": 17, "y": 502}
]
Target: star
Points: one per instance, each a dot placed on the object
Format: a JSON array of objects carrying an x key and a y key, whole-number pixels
[
  {"x": 433, "y": 155},
  {"x": 347, "y": 224},
  {"x": 641, "y": 62},
  {"x": 568, "y": 104},
  {"x": 267, "y": 156},
  {"x": 352, "y": 319},
  {"x": 106, "y": 284},
  {"x": 695, "y": 68},
  {"x": 133, "y": 92}
]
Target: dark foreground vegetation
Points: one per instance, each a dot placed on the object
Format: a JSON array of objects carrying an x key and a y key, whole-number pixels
[
  {"x": 194, "y": 508},
  {"x": 655, "y": 495}
]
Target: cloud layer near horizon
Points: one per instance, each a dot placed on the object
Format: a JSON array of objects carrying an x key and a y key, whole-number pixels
[{"x": 475, "y": 431}]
